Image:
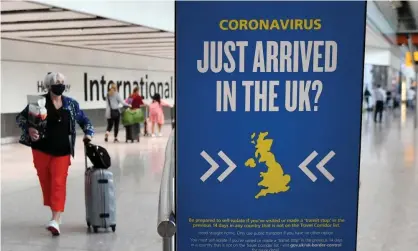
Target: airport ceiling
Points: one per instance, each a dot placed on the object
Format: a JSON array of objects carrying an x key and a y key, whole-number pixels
[
  {"x": 375, "y": 40},
  {"x": 402, "y": 15},
  {"x": 28, "y": 21}
]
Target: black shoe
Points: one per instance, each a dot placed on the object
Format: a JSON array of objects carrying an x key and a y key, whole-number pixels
[
  {"x": 116, "y": 141},
  {"x": 106, "y": 140}
]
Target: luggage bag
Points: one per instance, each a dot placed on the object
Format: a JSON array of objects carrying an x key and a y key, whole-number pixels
[
  {"x": 132, "y": 116},
  {"x": 100, "y": 198},
  {"x": 98, "y": 156},
  {"x": 132, "y": 132}
]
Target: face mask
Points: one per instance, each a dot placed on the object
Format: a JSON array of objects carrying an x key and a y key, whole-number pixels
[{"x": 57, "y": 89}]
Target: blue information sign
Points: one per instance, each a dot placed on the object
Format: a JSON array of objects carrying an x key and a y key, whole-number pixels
[{"x": 268, "y": 128}]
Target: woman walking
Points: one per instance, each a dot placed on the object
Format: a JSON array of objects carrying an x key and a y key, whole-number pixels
[
  {"x": 113, "y": 112},
  {"x": 53, "y": 146}
]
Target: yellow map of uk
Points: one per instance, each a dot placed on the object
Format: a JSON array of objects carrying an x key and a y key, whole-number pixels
[{"x": 274, "y": 180}]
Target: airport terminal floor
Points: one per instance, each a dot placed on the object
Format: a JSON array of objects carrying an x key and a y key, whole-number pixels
[
  {"x": 388, "y": 218},
  {"x": 137, "y": 169}
]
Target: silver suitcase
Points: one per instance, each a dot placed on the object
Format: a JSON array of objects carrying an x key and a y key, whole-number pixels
[{"x": 100, "y": 198}]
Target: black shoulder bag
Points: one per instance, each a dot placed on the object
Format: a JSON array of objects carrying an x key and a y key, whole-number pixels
[
  {"x": 114, "y": 113},
  {"x": 98, "y": 156}
]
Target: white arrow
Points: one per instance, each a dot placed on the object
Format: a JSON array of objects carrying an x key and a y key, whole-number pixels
[
  {"x": 320, "y": 166},
  {"x": 215, "y": 166},
  {"x": 231, "y": 166},
  {"x": 212, "y": 169},
  {"x": 322, "y": 163},
  {"x": 305, "y": 163}
]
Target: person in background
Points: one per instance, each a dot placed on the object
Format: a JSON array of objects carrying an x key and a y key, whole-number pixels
[
  {"x": 136, "y": 99},
  {"x": 113, "y": 111},
  {"x": 380, "y": 98},
  {"x": 411, "y": 97},
  {"x": 136, "y": 102},
  {"x": 156, "y": 114},
  {"x": 146, "y": 119},
  {"x": 51, "y": 153},
  {"x": 388, "y": 98},
  {"x": 367, "y": 95},
  {"x": 396, "y": 99}
]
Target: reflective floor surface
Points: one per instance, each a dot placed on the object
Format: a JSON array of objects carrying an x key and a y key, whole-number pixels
[
  {"x": 137, "y": 171},
  {"x": 388, "y": 209},
  {"x": 388, "y": 215}
]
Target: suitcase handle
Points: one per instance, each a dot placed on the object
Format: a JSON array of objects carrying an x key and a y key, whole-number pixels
[
  {"x": 86, "y": 142},
  {"x": 85, "y": 156}
]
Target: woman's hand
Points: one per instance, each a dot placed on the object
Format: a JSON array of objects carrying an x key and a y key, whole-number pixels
[
  {"x": 33, "y": 133},
  {"x": 87, "y": 139}
]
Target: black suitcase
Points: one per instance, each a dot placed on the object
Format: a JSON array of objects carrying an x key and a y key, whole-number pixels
[{"x": 132, "y": 132}]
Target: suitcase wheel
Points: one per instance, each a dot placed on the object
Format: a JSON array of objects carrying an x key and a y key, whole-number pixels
[
  {"x": 113, "y": 228},
  {"x": 96, "y": 229}
]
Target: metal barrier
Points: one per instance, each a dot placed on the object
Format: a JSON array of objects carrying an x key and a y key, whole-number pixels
[{"x": 166, "y": 227}]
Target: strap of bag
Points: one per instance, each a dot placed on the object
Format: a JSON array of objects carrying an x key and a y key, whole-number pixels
[
  {"x": 108, "y": 101},
  {"x": 85, "y": 156}
]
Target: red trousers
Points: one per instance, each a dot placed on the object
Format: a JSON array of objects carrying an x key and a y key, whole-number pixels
[{"x": 52, "y": 172}]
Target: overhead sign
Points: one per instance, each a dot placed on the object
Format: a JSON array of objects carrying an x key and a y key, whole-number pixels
[
  {"x": 269, "y": 107},
  {"x": 408, "y": 58},
  {"x": 88, "y": 85}
]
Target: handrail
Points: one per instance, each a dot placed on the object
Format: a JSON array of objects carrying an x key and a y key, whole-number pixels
[{"x": 166, "y": 227}]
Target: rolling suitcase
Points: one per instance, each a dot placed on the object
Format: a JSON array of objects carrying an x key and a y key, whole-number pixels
[
  {"x": 132, "y": 133},
  {"x": 100, "y": 198}
]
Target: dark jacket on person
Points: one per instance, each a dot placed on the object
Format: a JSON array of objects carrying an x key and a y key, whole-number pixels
[{"x": 76, "y": 115}]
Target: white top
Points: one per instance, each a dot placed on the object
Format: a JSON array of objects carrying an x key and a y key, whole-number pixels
[{"x": 379, "y": 94}]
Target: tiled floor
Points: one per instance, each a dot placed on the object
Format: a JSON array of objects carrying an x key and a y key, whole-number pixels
[
  {"x": 388, "y": 215},
  {"x": 137, "y": 168}
]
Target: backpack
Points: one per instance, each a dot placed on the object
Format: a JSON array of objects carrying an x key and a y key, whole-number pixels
[{"x": 98, "y": 156}]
